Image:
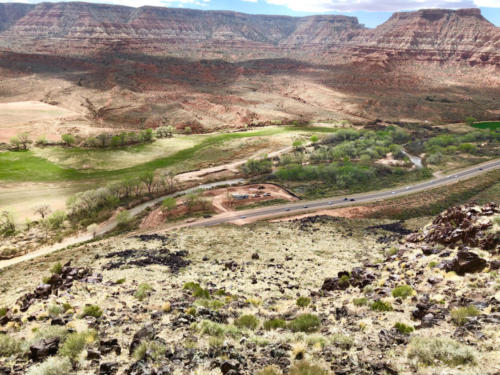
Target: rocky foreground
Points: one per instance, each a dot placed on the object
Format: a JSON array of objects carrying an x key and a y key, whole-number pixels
[{"x": 319, "y": 295}]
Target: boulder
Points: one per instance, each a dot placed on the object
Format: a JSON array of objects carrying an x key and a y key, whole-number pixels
[
  {"x": 44, "y": 348},
  {"x": 465, "y": 262}
]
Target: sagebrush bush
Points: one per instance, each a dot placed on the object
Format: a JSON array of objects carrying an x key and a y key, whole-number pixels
[
  {"x": 402, "y": 291},
  {"x": 247, "y": 321},
  {"x": 303, "y": 301},
  {"x": 207, "y": 327},
  {"x": 91, "y": 310},
  {"x": 305, "y": 323},
  {"x": 429, "y": 350},
  {"x": 269, "y": 370},
  {"x": 362, "y": 301},
  {"x": 143, "y": 291},
  {"x": 460, "y": 314},
  {"x": 3, "y": 311},
  {"x": 403, "y": 328},
  {"x": 153, "y": 349},
  {"x": 9, "y": 346},
  {"x": 52, "y": 366},
  {"x": 305, "y": 368},
  {"x": 342, "y": 341},
  {"x": 56, "y": 268},
  {"x": 274, "y": 324},
  {"x": 76, "y": 342},
  {"x": 197, "y": 290},
  {"x": 381, "y": 306}
]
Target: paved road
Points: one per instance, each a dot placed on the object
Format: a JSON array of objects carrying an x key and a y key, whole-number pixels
[
  {"x": 268, "y": 212},
  {"x": 340, "y": 201}
]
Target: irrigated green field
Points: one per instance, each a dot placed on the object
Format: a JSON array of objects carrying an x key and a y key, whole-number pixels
[{"x": 492, "y": 125}]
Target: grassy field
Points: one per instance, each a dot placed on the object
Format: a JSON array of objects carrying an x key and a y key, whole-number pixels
[
  {"x": 53, "y": 165},
  {"x": 492, "y": 125}
]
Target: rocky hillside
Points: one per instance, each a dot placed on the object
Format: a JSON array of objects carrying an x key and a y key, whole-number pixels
[
  {"x": 436, "y": 35},
  {"x": 319, "y": 296},
  {"x": 82, "y": 28}
]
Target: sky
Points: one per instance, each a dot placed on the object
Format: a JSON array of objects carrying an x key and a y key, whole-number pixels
[{"x": 369, "y": 12}]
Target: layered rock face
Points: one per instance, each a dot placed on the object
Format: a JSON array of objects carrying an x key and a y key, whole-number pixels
[
  {"x": 81, "y": 28},
  {"x": 435, "y": 34}
]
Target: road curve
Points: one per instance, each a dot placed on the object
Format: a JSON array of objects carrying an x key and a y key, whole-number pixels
[
  {"x": 269, "y": 212},
  {"x": 307, "y": 206}
]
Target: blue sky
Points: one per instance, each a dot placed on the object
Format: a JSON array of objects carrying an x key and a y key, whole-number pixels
[{"x": 369, "y": 12}]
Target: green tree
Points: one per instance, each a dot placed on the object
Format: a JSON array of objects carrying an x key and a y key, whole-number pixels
[
  {"x": 68, "y": 139},
  {"x": 470, "y": 120},
  {"x": 169, "y": 204}
]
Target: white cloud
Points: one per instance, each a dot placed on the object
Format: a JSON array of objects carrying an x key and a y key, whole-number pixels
[{"x": 379, "y": 5}]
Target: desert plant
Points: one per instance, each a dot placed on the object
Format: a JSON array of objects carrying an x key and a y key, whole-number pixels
[
  {"x": 303, "y": 301},
  {"x": 68, "y": 139},
  {"x": 305, "y": 323},
  {"x": 55, "y": 310},
  {"x": 402, "y": 291},
  {"x": 460, "y": 315},
  {"x": 152, "y": 349},
  {"x": 52, "y": 366},
  {"x": 381, "y": 306},
  {"x": 305, "y": 368},
  {"x": 169, "y": 204},
  {"x": 208, "y": 327},
  {"x": 362, "y": 301},
  {"x": 431, "y": 350},
  {"x": 76, "y": 342},
  {"x": 342, "y": 341},
  {"x": 7, "y": 225},
  {"x": 274, "y": 324},
  {"x": 470, "y": 120},
  {"x": 197, "y": 290},
  {"x": 91, "y": 310},
  {"x": 56, "y": 268},
  {"x": 403, "y": 328},
  {"x": 247, "y": 321},
  {"x": 143, "y": 291},
  {"x": 269, "y": 370},
  {"x": 9, "y": 346},
  {"x": 123, "y": 219}
]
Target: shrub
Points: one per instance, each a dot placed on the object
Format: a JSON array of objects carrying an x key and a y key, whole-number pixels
[
  {"x": 403, "y": 328},
  {"x": 305, "y": 368},
  {"x": 428, "y": 351},
  {"x": 197, "y": 290},
  {"x": 123, "y": 219},
  {"x": 120, "y": 281},
  {"x": 470, "y": 120},
  {"x": 52, "y": 366},
  {"x": 143, "y": 291},
  {"x": 381, "y": 306},
  {"x": 9, "y": 346},
  {"x": 362, "y": 301},
  {"x": 274, "y": 324},
  {"x": 76, "y": 342},
  {"x": 305, "y": 323},
  {"x": 152, "y": 349},
  {"x": 403, "y": 291},
  {"x": 247, "y": 321},
  {"x": 303, "y": 301},
  {"x": 56, "y": 220},
  {"x": 169, "y": 204},
  {"x": 91, "y": 310},
  {"x": 257, "y": 167},
  {"x": 213, "y": 304},
  {"x": 269, "y": 370},
  {"x": 342, "y": 341},
  {"x": 208, "y": 327},
  {"x": 55, "y": 310},
  {"x": 7, "y": 225},
  {"x": 56, "y": 268},
  {"x": 68, "y": 139},
  {"x": 460, "y": 314},
  {"x": 3, "y": 311}
]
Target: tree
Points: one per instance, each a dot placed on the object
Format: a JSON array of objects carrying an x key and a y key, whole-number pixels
[
  {"x": 42, "y": 210},
  {"x": 15, "y": 143},
  {"x": 123, "y": 219},
  {"x": 314, "y": 138},
  {"x": 7, "y": 225},
  {"x": 470, "y": 120},
  {"x": 297, "y": 144},
  {"x": 68, "y": 139},
  {"x": 188, "y": 130},
  {"x": 147, "y": 135},
  {"x": 148, "y": 180},
  {"x": 169, "y": 204},
  {"x": 24, "y": 140},
  {"x": 165, "y": 132}
]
